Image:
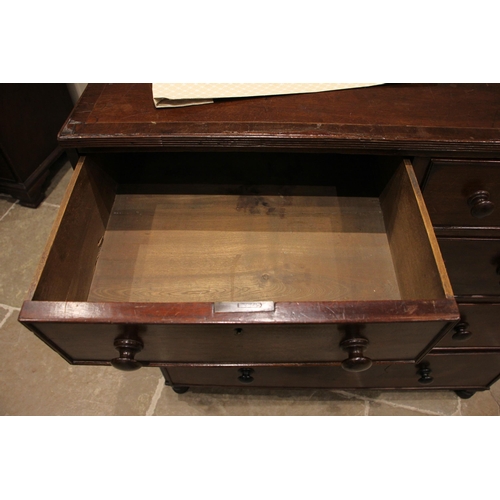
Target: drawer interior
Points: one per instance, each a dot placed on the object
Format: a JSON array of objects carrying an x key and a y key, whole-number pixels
[
  {"x": 242, "y": 227},
  {"x": 213, "y": 248}
]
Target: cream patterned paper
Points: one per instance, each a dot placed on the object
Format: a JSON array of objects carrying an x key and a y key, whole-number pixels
[{"x": 189, "y": 94}]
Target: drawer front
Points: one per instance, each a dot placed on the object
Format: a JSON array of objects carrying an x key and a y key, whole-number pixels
[
  {"x": 299, "y": 376},
  {"x": 438, "y": 371},
  {"x": 473, "y": 265},
  {"x": 479, "y": 326},
  {"x": 463, "y": 193},
  {"x": 161, "y": 280},
  {"x": 243, "y": 343}
]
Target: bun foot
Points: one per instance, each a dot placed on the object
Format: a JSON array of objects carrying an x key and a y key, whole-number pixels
[
  {"x": 464, "y": 393},
  {"x": 180, "y": 389}
]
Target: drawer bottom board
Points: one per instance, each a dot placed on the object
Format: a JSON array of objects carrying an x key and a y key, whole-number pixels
[{"x": 216, "y": 248}]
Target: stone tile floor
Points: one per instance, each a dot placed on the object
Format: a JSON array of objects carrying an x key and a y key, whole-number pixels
[{"x": 34, "y": 380}]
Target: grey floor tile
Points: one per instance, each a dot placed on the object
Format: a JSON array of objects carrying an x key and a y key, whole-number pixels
[
  {"x": 3, "y": 314},
  {"x": 6, "y": 204},
  {"x": 495, "y": 391},
  {"x": 34, "y": 380},
  {"x": 23, "y": 236},
  {"x": 58, "y": 184},
  {"x": 481, "y": 404},
  {"x": 435, "y": 402},
  {"x": 385, "y": 410},
  {"x": 257, "y": 402}
]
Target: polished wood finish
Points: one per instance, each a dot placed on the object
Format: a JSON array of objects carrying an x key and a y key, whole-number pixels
[
  {"x": 481, "y": 321},
  {"x": 185, "y": 339},
  {"x": 447, "y": 370},
  {"x": 30, "y": 118},
  {"x": 463, "y": 193},
  {"x": 461, "y": 333},
  {"x": 203, "y": 312},
  {"x": 463, "y": 199},
  {"x": 355, "y": 346},
  {"x": 344, "y": 144},
  {"x": 473, "y": 265},
  {"x": 127, "y": 345},
  {"x": 426, "y": 119}
]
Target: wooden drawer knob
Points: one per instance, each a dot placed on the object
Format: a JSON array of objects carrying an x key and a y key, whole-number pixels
[
  {"x": 246, "y": 375},
  {"x": 356, "y": 362},
  {"x": 128, "y": 348},
  {"x": 425, "y": 374},
  {"x": 480, "y": 204},
  {"x": 461, "y": 332}
]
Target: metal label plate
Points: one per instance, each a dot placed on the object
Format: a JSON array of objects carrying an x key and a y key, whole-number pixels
[{"x": 257, "y": 306}]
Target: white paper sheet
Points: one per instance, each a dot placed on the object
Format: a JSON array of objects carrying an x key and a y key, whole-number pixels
[{"x": 167, "y": 95}]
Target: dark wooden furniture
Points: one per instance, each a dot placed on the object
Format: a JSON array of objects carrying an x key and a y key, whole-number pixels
[
  {"x": 281, "y": 241},
  {"x": 31, "y": 116}
]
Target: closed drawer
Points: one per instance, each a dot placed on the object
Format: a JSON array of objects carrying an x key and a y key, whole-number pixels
[
  {"x": 479, "y": 326},
  {"x": 438, "y": 371},
  {"x": 473, "y": 265},
  {"x": 463, "y": 193},
  {"x": 162, "y": 270}
]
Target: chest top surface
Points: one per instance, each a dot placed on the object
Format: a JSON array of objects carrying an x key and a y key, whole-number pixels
[{"x": 420, "y": 118}]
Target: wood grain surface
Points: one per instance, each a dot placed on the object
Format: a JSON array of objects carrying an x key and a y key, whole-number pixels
[
  {"x": 188, "y": 248},
  {"x": 456, "y": 119},
  {"x": 473, "y": 265},
  {"x": 450, "y": 184},
  {"x": 462, "y": 370},
  {"x": 418, "y": 262},
  {"x": 250, "y": 343},
  {"x": 67, "y": 266},
  {"x": 482, "y": 323}
]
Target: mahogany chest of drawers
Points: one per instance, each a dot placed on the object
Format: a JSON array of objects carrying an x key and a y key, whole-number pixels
[{"x": 286, "y": 241}]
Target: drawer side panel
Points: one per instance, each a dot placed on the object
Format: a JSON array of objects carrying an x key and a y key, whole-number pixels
[
  {"x": 68, "y": 263},
  {"x": 418, "y": 262}
]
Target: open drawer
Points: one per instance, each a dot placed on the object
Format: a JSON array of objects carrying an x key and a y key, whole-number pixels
[{"x": 241, "y": 258}]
